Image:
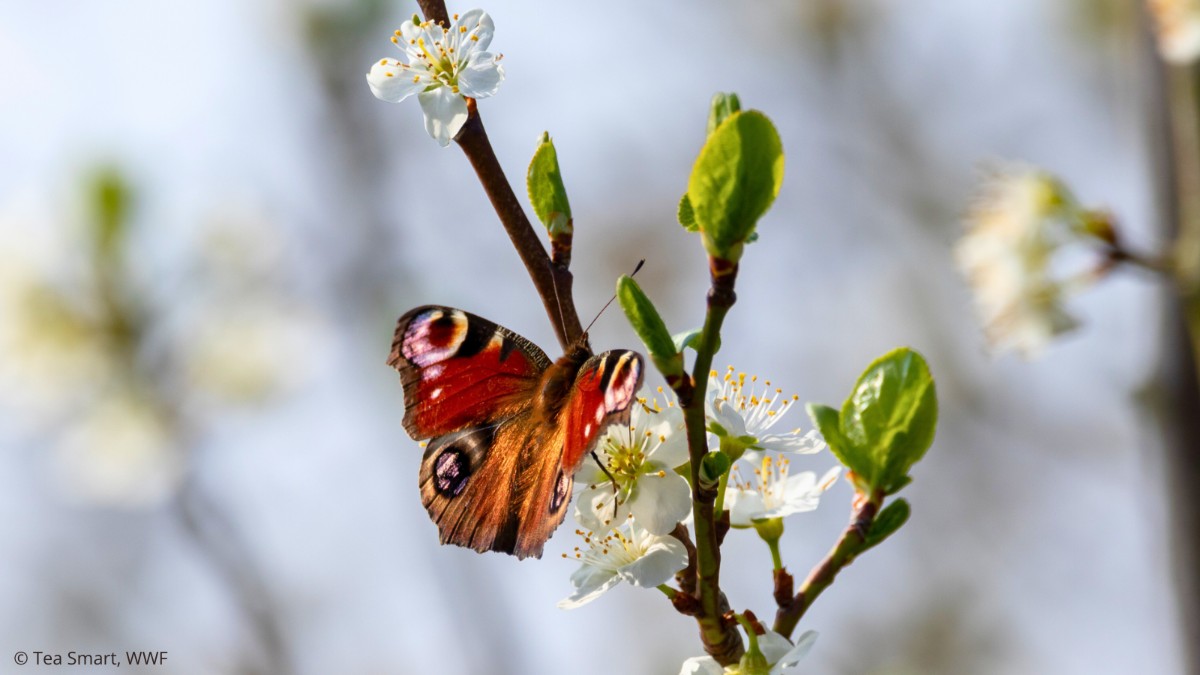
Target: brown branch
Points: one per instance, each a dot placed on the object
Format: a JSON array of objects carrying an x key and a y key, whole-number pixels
[
  {"x": 552, "y": 281},
  {"x": 1175, "y": 139},
  {"x": 435, "y": 10},
  {"x": 852, "y": 543}
]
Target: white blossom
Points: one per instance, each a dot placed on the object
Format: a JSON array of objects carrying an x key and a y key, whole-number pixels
[
  {"x": 119, "y": 453},
  {"x": 774, "y": 493},
  {"x": 629, "y": 553},
  {"x": 444, "y": 67},
  {"x": 642, "y": 458},
  {"x": 741, "y": 410}
]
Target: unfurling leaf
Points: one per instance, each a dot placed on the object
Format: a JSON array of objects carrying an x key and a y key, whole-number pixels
[
  {"x": 546, "y": 191},
  {"x": 685, "y": 215},
  {"x": 734, "y": 181},
  {"x": 886, "y": 424},
  {"x": 650, "y": 328},
  {"x": 714, "y": 465},
  {"x": 890, "y": 519},
  {"x": 722, "y": 106}
]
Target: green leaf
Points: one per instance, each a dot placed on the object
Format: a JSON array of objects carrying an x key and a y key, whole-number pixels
[
  {"x": 828, "y": 422},
  {"x": 546, "y": 191},
  {"x": 687, "y": 339},
  {"x": 110, "y": 203},
  {"x": 685, "y": 216},
  {"x": 890, "y": 519},
  {"x": 886, "y": 425},
  {"x": 891, "y": 416},
  {"x": 714, "y": 465},
  {"x": 650, "y": 327},
  {"x": 722, "y": 106},
  {"x": 734, "y": 181}
]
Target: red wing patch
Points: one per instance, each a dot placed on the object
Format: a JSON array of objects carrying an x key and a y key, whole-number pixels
[
  {"x": 460, "y": 370},
  {"x": 604, "y": 394}
]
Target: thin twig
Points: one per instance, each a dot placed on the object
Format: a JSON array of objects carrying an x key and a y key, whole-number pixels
[
  {"x": 552, "y": 281},
  {"x": 852, "y": 543}
]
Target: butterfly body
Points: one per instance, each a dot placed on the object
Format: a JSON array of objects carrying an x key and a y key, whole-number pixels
[{"x": 507, "y": 426}]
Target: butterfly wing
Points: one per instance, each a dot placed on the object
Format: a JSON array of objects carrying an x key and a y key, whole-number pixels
[
  {"x": 461, "y": 371},
  {"x": 603, "y": 393},
  {"x": 471, "y": 484},
  {"x": 509, "y": 428}
]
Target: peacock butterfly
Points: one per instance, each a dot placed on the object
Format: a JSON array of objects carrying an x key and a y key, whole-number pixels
[{"x": 508, "y": 427}]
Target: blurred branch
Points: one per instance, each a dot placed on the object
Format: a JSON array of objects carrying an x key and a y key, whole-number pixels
[
  {"x": 1174, "y": 116},
  {"x": 217, "y": 539}
]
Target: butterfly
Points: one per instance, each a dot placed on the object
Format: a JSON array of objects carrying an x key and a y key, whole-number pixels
[{"x": 508, "y": 427}]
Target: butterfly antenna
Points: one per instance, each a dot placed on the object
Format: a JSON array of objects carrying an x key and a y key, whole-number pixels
[
  {"x": 614, "y": 297},
  {"x": 562, "y": 320}
]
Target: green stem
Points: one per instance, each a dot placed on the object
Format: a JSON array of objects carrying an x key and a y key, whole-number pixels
[
  {"x": 668, "y": 591},
  {"x": 776, "y": 558},
  {"x": 749, "y": 630},
  {"x": 721, "y": 639},
  {"x": 719, "y": 504}
]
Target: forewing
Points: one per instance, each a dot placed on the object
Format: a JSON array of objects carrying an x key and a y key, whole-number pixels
[
  {"x": 461, "y": 371},
  {"x": 604, "y": 393}
]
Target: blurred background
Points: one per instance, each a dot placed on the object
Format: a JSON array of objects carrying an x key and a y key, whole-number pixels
[{"x": 208, "y": 226}]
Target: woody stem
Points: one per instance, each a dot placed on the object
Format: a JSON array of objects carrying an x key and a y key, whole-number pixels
[{"x": 552, "y": 280}]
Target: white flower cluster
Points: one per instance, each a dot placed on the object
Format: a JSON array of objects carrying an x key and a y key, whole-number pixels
[
  {"x": 1021, "y": 221},
  {"x": 629, "y": 507}
]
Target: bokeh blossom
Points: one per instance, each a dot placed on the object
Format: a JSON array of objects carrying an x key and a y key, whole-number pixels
[
  {"x": 1177, "y": 27},
  {"x": 1020, "y": 222}
]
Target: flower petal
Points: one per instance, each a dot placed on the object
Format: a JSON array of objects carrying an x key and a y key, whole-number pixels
[
  {"x": 662, "y": 560},
  {"x": 808, "y": 444},
  {"x": 392, "y": 81},
  {"x": 744, "y": 506},
  {"x": 660, "y": 502},
  {"x": 596, "y": 508},
  {"x": 701, "y": 665},
  {"x": 445, "y": 113},
  {"x": 481, "y": 76},
  {"x": 793, "y": 656},
  {"x": 590, "y": 583},
  {"x": 672, "y": 452},
  {"x": 479, "y": 25},
  {"x": 729, "y": 419},
  {"x": 773, "y": 646}
]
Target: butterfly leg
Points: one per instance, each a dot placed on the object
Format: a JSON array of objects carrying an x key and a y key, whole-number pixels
[{"x": 616, "y": 486}]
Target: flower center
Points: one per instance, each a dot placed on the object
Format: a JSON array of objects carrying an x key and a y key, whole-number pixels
[
  {"x": 611, "y": 552},
  {"x": 760, "y": 405},
  {"x": 626, "y": 460},
  {"x": 769, "y": 477}
]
